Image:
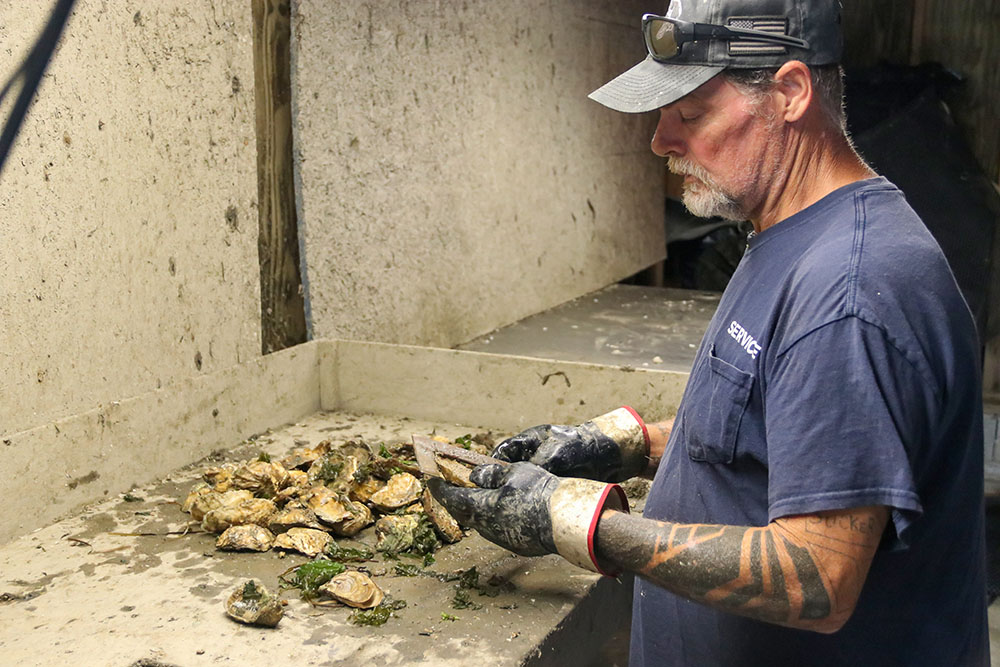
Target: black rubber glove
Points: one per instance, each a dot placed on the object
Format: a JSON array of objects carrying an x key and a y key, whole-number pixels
[
  {"x": 609, "y": 448},
  {"x": 531, "y": 512}
]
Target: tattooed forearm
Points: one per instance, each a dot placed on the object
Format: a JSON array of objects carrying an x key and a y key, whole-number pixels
[{"x": 804, "y": 572}]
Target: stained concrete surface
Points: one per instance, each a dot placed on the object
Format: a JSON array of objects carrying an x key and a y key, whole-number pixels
[
  {"x": 452, "y": 174},
  {"x": 128, "y": 206},
  {"x": 622, "y": 325},
  {"x": 81, "y": 592}
]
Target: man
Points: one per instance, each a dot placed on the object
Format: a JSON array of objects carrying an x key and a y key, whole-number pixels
[{"x": 819, "y": 499}]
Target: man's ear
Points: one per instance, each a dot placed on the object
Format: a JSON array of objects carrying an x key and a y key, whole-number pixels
[{"x": 794, "y": 90}]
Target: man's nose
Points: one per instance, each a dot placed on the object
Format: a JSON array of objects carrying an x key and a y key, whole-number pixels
[{"x": 665, "y": 139}]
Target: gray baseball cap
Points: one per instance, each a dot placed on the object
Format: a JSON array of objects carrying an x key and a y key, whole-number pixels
[{"x": 652, "y": 83}]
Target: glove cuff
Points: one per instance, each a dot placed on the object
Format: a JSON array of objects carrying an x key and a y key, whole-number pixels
[
  {"x": 575, "y": 507},
  {"x": 625, "y": 427}
]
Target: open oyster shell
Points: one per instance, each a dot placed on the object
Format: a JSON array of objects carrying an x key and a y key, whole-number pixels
[
  {"x": 402, "y": 489},
  {"x": 253, "y": 604},
  {"x": 354, "y": 589},
  {"x": 248, "y": 537},
  {"x": 256, "y": 510},
  {"x": 444, "y": 523},
  {"x": 308, "y": 541}
]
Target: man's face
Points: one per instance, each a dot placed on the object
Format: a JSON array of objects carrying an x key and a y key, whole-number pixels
[{"x": 724, "y": 145}]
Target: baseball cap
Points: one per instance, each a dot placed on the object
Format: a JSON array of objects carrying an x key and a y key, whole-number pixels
[{"x": 652, "y": 84}]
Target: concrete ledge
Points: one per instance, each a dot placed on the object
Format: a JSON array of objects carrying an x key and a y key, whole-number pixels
[
  {"x": 60, "y": 466},
  {"x": 497, "y": 391}
]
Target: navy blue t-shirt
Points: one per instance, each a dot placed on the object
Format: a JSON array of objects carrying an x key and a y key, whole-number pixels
[{"x": 840, "y": 370}]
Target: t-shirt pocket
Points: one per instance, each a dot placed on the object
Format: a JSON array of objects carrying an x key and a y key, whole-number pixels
[{"x": 715, "y": 409}]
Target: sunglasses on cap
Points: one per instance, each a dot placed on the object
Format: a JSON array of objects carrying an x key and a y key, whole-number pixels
[{"x": 664, "y": 36}]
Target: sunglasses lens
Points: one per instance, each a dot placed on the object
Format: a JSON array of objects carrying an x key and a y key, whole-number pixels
[{"x": 662, "y": 43}]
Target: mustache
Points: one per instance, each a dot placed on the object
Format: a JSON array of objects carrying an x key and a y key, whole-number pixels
[{"x": 683, "y": 167}]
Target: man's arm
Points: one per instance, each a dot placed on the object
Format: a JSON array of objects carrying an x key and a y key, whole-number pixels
[
  {"x": 803, "y": 571},
  {"x": 659, "y": 433}
]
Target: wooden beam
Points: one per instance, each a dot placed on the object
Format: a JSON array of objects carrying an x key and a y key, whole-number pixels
[{"x": 283, "y": 321}]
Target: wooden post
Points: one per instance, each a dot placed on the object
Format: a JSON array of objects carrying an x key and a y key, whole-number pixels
[{"x": 283, "y": 321}]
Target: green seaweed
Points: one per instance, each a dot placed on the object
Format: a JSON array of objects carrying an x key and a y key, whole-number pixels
[
  {"x": 264, "y": 457},
  {"x": 308, "y": 577},
  {"x": 421, "y": 541},
  {"x": 251, "y": 592},
  {"x": 132, "y": 498},
  {"x": 406, "y": 569},
  {"x": 461, "y": 600},
  {"x": 448, "y": 617},
  {"x": 377, "y": 615},
  {"x": 348, "y": 554},
  {"x": 384, "y": 452},
  {"x": 464, "y": 441}
]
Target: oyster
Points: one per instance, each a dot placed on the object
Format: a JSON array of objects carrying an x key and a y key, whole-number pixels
[
  {"x": 295, "y": 515},
  {"x": 256, "y": 510},
  {"x": 262, "y": 478},
  {"x": 442, "y": 520},
  {"x": 332, "y": 512},
  {"x": 253, "y": 604},
  {"x": 220, "y": 477},
  {"x": 454, "y": 472},
  {"x": 362, "y": 491},
  {"x": 303, "y": 457},
  {"x": 336, "y": 470},
  {"x": 354, "y": 589},
  {"x": 204, "y": 503},
  {"x": 405, "y": 532},
  {"x": 308, "y": 541},
  {"x": 360, "y": 517},
  {"x": 199, "y": 489},
  {"x": 249, "y": 537},
  {"x": 401, "y": 490}
]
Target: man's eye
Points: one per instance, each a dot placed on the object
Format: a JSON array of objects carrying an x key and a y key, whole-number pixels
[{"x": 689, "y": 117}]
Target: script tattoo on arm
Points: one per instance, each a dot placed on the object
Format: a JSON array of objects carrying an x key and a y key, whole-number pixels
[{"x": 803, "y": 571}]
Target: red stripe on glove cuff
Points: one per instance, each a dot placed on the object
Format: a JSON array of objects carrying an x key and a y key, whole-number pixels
[{"x": 601, "y": 506}]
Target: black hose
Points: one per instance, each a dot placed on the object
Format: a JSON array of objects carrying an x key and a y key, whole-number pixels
[{"x": 30, "y": 75}]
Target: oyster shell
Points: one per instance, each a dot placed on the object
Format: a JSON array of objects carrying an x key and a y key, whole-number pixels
[
  {"x": 249, "y": 537},
  {"x": 262, "y": 478},
  {"x": 401, "y": 490},
  {"x": 220, "y": 477},
  {"x": 405, "y": 532},
  {"x": 256, "y": 510},
  {"x": 295, "y": 515},
  {"x": 360, "y": 517},
  {"x": 253, "y": 604},
  {"x": 337, "y": 470},
  {"x": 308, "y": 541},
  {"x": 454, "y": 472},
  {"x": 332, "y": 512},
  {"x": 199, "y": 489},
  {"x": 303, "y": 457},
  {"x": 354, "y": 589},
  {"x": 444, "y": 523},
  {"x": 204, "y": 503},
  {"x": 362, "y": 491}
]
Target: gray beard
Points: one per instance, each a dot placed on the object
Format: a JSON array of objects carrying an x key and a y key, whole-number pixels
[{"x": 705, "y": 199}]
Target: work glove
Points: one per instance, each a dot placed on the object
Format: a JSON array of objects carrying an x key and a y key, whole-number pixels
[
  {"x": 609, "y": 448},
  {"x": 531, "y": 512}
]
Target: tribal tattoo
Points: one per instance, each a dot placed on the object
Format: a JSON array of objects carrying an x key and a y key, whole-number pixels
[{"x": 802, "y": 571}]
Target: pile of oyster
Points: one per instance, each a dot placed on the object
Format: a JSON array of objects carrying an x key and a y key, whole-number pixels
[{"x": 314, "y": 494}]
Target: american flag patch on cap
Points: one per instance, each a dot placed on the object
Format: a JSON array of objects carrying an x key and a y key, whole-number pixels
[{"x": 745, "y": 47}]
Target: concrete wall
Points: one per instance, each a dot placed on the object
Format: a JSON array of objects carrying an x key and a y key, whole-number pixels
[
  {"x": 453, "y": 175},
  {"x": 128, "y": 221}
]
